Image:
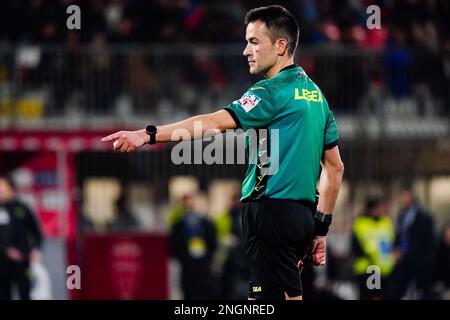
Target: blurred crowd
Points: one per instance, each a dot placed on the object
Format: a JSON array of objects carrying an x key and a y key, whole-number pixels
[
  {"x": 423, "y": 24},
  {"x": 99, "y": 70}
]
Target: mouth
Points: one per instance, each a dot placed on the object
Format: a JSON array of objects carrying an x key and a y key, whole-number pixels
[{"x": 251, "y": 62}]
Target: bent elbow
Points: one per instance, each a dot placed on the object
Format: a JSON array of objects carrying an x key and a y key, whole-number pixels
[
  {"x": 336, "y": 170},
  {"x": 341, "y": 168}
]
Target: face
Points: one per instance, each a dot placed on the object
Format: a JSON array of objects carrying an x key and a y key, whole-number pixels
[
  {"x": 261, "y": 53},
  {"x": 189, "y": 201},
  {"x": 447, "y": 236},
  {"x": 6, "y": 191},
  {"x": 406, "y": 199},
  {"x": 377, "y": 211}
]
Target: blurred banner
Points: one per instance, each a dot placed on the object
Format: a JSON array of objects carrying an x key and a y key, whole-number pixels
[{"x": 117, "y": 266}]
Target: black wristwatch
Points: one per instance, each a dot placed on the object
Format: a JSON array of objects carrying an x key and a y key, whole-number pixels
[
  {"x": 324, "y": 218},
  {"x": 151, "y": 131},
  {"x": 322, "y": 223}
]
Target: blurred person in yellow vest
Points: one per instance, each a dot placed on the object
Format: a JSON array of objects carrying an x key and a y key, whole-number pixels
[{"x": 372, "y": 245}]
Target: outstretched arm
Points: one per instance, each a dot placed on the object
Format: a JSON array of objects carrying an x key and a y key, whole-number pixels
[{"x": 129, "y": 141}]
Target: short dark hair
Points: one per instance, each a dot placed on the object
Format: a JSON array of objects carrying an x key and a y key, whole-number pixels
[
  {"x": 373, "y": 202},
  {"x": 9, "y": 180},
  {"x": 408, "y": 186},
  {"x": 280, "y": 22}
]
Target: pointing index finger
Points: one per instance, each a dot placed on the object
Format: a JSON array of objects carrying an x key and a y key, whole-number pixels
[{"x": 111, "y": 137}]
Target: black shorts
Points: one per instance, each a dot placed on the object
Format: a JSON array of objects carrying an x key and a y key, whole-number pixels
[{"x": 276, "y": 234}]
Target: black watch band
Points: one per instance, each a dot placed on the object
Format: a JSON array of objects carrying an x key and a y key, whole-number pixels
[
  {"x": 151, "y": 131},
  {"x": 322, "y": 223},
  {"x": 324, "y": 218}
]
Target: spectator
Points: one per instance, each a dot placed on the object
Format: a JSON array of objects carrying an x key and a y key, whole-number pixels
[
  {"x": 414, "y": 246},
  {"x": 20, "y": 242},
  {"x": 193, "y": 243},
  {"x": 372, "y": 243},
  {"x": 124, "y": 219},
  {"x": 442, "y": 263}
]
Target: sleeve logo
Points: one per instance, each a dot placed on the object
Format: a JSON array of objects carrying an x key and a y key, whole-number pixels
[{"x": 248, "y": 101}]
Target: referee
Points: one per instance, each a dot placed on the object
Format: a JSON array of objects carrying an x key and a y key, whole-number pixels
[{"x": 282, "y": 221}]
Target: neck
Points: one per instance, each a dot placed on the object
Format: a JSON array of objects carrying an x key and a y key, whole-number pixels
[{"x": 280, "y": 64}]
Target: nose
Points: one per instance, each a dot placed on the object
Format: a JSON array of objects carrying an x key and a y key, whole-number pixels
[{"x": 246, "y": 51}]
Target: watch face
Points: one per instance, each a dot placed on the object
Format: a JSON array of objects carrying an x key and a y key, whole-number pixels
[
  {"x": 324, "y": 217},
  {"x": 150, "y": 129}
]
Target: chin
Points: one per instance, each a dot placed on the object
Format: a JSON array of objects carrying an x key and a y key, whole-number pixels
[{"x": 253, "y": 71}]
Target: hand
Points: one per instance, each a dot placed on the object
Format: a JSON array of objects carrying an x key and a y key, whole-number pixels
[
  {"x": 128, "y": 141},
  {"x": 397, "y": 253},
  {"x": 35, "y": 255},
  {"x": 14, "y": 254},
  {"x": 316, "y": 252}
]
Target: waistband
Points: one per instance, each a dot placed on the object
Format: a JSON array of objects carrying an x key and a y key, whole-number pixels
[{"x": 311, "y": 205}]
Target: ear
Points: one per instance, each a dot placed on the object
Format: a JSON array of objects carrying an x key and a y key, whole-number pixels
[{"x": 282, "y": 46}]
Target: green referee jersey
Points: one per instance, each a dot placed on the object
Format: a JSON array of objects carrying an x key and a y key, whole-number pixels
[{"x": 293, "y": 104}]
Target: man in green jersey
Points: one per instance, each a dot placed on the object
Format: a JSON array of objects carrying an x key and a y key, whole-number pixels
[{"x": 281, "y": 219}]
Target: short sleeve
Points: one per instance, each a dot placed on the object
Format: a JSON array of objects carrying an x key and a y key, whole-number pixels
[
  {"x": 253, "y": 110},
  {"x": 331, "y": 132}
]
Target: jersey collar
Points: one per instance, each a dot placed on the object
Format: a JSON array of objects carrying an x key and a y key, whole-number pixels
[
  {"x": 286, "y": 71},
  {"x": 288, "y": 68},
  {"x": 292, "y": 66}
]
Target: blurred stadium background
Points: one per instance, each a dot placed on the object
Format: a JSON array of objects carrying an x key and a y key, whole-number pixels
[{"x": 134, "y": 62}]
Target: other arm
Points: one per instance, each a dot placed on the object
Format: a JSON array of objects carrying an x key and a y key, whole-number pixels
[
  {"x": 330, "y": 180},
  {"x": 329, "y": 185}
]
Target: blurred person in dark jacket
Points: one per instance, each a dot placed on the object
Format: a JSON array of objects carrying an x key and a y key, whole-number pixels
[
  {"x": 193, "y": 243},
  {"x": 20, "y": 242},
  {"x": 441, "y": 274},
  {"x": 124, "y": 221},
  {"x": 413, "y": 249}
]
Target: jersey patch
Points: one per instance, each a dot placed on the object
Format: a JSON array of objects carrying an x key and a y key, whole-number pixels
[{"x": 248, "y": 101}]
